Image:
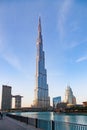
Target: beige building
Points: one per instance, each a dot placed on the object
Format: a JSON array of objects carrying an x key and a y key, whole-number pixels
[
  {"x": 85, "y": 104},
  {"x": 69, "y": 97}
]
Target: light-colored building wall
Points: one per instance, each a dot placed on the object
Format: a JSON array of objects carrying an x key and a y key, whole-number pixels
[{"x": 69, "y": 97}]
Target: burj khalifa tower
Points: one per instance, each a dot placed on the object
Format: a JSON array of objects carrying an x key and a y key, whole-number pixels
[{"x": 41, "y": 99}]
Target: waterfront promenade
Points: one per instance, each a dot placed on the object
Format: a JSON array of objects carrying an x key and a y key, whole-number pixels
[{"x": 11, "y": 124}]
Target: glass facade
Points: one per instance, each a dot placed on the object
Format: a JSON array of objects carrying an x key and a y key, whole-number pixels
[{"x": 56, "y": 100}]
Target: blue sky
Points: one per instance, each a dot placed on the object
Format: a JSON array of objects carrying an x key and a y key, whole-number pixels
[{"x": 64, "y": 30}]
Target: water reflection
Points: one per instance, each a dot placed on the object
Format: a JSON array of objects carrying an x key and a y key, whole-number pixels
[
  {"x": 80, "y": 119},
  {"x": 71, "y": 118}
]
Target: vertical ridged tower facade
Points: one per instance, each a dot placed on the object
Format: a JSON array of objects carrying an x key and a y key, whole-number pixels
[{"x": 42, "y": 99}]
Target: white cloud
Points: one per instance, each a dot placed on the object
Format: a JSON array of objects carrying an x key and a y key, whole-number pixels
[
  {"x": 81, "y": 59},
  {"x": 12, "y": 60},
  {"x": 71, "y": 45},
  {"x": 74, "y": 44},
  {"x": 8, "y": 55},
  {"x": 63, "y": 14}
]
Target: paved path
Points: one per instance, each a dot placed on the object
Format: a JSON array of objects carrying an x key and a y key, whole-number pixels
[{"x": 10, "y": 124}]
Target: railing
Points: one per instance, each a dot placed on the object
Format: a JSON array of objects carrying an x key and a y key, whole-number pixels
[
  {"x": 44, "y": 124},
  {"x": 69, "y": 126},
  {"x": 49, "y": 125}
]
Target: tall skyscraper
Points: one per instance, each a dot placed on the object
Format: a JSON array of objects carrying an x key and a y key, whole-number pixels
[
  {"x": 69, "y": 97},
  {"x": 42, "y": 100},
  {"x": 6, "y": 98}
]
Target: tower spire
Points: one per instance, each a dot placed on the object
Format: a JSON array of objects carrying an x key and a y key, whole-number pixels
[{"x": 39, "y": 27}]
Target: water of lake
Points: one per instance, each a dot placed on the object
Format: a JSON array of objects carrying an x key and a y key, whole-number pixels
[{"x": 72, "y": 118}]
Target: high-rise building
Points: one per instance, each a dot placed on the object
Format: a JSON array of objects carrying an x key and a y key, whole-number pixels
[
  {"x": 56, "y": 100},
  {"x": 69, "y": 97},
  {"x": 17, "y": 101},
  {"x": 42, "y": 98},
  {"x": 6, "y": 97}
]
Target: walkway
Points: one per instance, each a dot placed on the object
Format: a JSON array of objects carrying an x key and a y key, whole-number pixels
[{"x": 10, "y": 124}]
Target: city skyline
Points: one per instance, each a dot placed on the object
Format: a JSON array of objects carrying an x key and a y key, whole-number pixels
[{"x": 65, "y": 42}]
